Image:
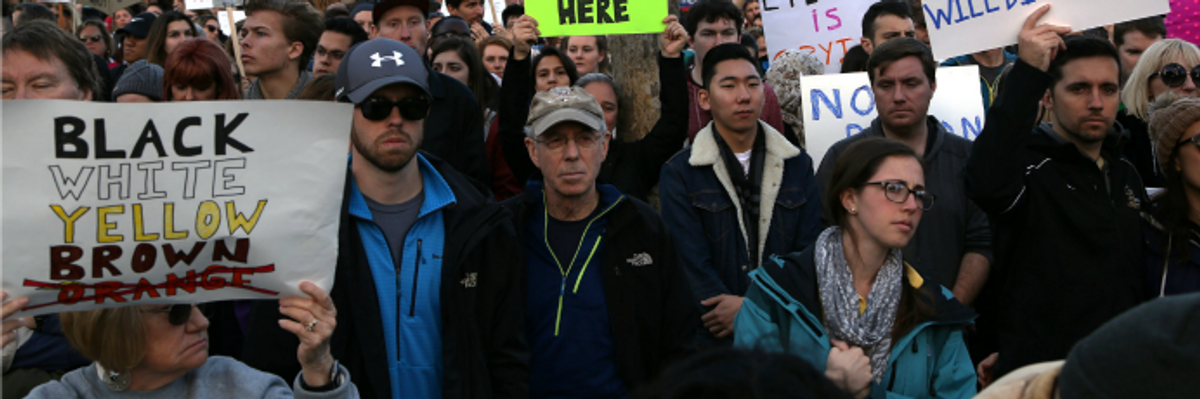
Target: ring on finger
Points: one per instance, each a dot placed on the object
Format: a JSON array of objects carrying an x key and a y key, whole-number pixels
[{"x": 311, "y": 325}]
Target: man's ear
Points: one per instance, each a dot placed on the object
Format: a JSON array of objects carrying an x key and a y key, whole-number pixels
[
  {"x": 866, "y": 45},
  {"x": 703, "y": 97},
  {"x": 295, "y": 51},
  {"x": 1048, "y": 98},
  {"x": 531, "y": 146}
]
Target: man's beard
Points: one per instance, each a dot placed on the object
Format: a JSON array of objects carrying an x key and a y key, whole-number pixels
[{"x": 374, "y": 155}]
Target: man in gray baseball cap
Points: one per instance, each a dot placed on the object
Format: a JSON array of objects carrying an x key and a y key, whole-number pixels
[
  {"x": 592, "y": 332},
  {"x": 427, "y": 260}
]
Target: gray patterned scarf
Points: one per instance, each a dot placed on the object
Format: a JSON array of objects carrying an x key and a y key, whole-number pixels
[{"x": 873, "y": 330}]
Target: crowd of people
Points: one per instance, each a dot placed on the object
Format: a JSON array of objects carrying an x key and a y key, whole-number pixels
[{"x": 497, "y": 236}]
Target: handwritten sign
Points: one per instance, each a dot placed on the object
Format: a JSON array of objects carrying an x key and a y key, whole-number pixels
[
  {"x": 119, "y": 204},
  {"x": 840, "y": 105},
  {"x": 597, "y": 17},
  {"x": 109, "y": 6},
  {"x": 958, "y": 27},
  {"x": 825, "y": 28},
  {"x": 223, "y": 19}
]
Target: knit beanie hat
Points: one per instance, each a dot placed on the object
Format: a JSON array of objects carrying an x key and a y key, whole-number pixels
[
  {"x": 143, "y": 78},
  {"x": 1150, "y": 351},
  {"x": 1170, "y": 118}
]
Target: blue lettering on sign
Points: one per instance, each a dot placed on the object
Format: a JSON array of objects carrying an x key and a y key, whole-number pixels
[
  {"x": 852, "y": 129},
  {"x": 972, "y": 130},
  {"x": 835, "y": 106},
  {"x": 948, "y": 127},
  {"x": 945, "y": 16},
  {"x": 854, "y": 101}
]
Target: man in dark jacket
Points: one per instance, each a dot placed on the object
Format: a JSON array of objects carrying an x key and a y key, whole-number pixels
[
  {"x": 451, "y": 133},
  {"x": 607, "y": 302},
  {"x": 425, "y": 272},
  {"x": 629, "y": 165},
  {"x": 953, "y": 244},
  {"x": 1063, "y": 201},
  {"x": 739, "y": 195}
]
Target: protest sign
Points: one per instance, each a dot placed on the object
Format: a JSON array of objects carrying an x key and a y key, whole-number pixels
[
  {"x": 958, "y": 27},
  {"x": 200, "y": 4},
  {"x": 223, "y": 19},
  {"x": 837, "y": 106},
  {"x": 597, "y": 17},
  {"x": 825, "y": 28},
  {"x": 120, "y": 204},
  {"x": 109, "y": 6}
]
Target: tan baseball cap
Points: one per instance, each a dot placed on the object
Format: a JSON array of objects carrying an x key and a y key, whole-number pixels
[{"x": 564, "y": 104}]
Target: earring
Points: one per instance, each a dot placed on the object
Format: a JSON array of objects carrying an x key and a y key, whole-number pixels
[
  {"x": 853, "y": 211},
  {"x": 115, "y": 381}
]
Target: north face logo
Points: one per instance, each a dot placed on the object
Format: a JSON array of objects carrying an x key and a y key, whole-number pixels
[
  {"x": 378, "y": 60},
  {"x": 470, "y": 280},
  {"x": 640, "y": 260}
]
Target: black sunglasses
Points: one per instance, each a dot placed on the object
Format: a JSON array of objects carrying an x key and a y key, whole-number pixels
[
  {"x": 177, "y": 315},
  {"x": 377, "y": 109},
  {"x": 1175, "y": 75},
  {"x": 210, "y": 28}
]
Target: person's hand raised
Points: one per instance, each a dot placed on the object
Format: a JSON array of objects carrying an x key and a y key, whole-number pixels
[
  {"x": 1038, "y": 44},
  {"x": 10, "y": 326},
  {"x": 524, "y": 34},
  {"x": 673, "y": 38},
  {"x": 313, "y": 320}
]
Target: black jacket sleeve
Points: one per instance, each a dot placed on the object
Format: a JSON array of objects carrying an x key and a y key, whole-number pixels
[
  {"x": 682, "y": 316},
  {"x": 669, "y": 133},
  {"x": 515, "y": 95},
  {"x": 507, "y": 348},
  {"x": 995, "y": 172}
]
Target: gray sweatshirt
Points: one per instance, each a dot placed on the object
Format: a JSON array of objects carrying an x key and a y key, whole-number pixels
[{"x": 220, "y": 377}]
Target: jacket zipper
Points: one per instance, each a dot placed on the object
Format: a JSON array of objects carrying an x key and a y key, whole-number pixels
[{"x": 412, "y": 305}]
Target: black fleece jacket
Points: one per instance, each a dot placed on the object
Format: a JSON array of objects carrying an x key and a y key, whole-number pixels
[{"x": 1067, "y": 236}]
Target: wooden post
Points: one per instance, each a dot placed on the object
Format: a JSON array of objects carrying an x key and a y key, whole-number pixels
[
  {"x": 635, "y": 68},
  {"x": 237, "y": 47},
  {"x": 495, "y": 20}
]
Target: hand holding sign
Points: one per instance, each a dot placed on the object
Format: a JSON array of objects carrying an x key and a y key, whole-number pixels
[
  {"x": 1040, "y": 43},
  {"x": 673, "y": 39},
  {"x": 525, "y": 34},
  {"x": 10, "y": 326}
]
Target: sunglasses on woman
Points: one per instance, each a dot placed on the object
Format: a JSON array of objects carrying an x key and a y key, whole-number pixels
[
  {"x": 1194, "y": 140},
  {"x": 211, "y": 28},
  {"x": 90, "y": 39},
  {"x": 377, "y": 109},
  {"x": 177, "y": 315},
  {"x": 1175, "y": 75}
]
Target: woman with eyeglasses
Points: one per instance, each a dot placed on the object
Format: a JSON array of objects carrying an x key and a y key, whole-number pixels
[
  {"x": 1170, "y": 65},
  {"x": 95, "y": 36},
  {"x": 849, "y": 304},
  {"x": 161, "y": 351},
  {"x": 1171, "y": 231},
  {"x": 168, "y": 31}
]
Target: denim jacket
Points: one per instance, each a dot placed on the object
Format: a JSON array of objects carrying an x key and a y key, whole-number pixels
[{"x": 700, "y": 210}]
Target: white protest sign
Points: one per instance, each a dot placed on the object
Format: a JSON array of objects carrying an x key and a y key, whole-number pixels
[
  {"x": 825, "y": 28},
  {"x": 199, "y": 4},
  {"x": 838, "y": 106},
  {"x": 224, "y": 21},
  {"x": 958, "y": 27},
  {"x": 121, "y": 204}
]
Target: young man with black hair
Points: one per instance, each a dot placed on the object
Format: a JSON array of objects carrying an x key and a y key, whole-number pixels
[
  {"x": 470, "y": 11},
  {"x": 278, "y": 39},
  {"x": 953, "y": 245},
  {"x": 511, "y": 14},
  {"x": 450, "y": 133},
  {"x": 886, "y": 20},
  {"x": 1063, "y": 202},
  {"x": 339, "y": 36},
  {"x": 710, "y": 23},
  {"x": 740, "y": 194}
]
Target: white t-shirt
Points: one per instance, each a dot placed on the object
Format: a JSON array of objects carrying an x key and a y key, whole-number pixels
[{"x": 744, "y": 159}]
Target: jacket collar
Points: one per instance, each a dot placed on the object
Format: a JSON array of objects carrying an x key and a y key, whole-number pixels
[
  {"x": 937, "y": 131},
  {"x": 1047, "y": 139},
  {"x": 533, "y": 197},
  {"x": 438, "y": 193},
  {"x": 705, "y": 151}
]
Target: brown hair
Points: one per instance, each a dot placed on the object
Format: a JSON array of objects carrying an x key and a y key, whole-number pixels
[
  {"x": 851, "y": 171},
  {"x": 200, "y": 63},
  {"x": 320, "y": 88},
  {"x": 156, "y": 50},
  {"x": 496, "y": 40},
  {"x": 114, "y": 337},
  {"x": 47, "y": 42},
  {"x": 301, "y": 23},
  {"x": 601, "y": 46}
]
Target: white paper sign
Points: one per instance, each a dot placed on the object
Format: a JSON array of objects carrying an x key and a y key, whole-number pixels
[
  {"x": 199, "y": 4},
  {"x": 118, "y": 204},
  {"x": 840, "y": 105},
  {"x": 958, "y": 27},
  {"x": 238, "y": 15},
  {"x": 826, "y": 28}
]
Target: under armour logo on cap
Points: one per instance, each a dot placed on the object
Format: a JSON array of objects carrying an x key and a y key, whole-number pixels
[{"x": 378, "y": 60}]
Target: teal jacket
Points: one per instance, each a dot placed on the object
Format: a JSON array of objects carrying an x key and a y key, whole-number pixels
[{"x": 781, "y": 313}]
